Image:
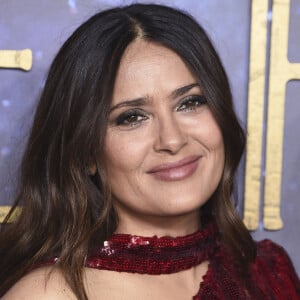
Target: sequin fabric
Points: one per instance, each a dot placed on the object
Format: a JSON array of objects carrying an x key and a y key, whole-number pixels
[
  {"x": 272, "y": 275},
  {"x": 153, "y": 255}
]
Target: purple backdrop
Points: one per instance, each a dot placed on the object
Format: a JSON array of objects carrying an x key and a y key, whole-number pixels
[{"x": 43, "y": 25}]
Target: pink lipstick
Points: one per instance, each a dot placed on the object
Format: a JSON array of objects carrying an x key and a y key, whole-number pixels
[{"x": 176, "y": 170}]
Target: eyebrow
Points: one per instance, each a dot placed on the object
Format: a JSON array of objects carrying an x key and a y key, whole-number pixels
[
  {"x": 131, "y": 103},
  {"x": 183, "y": 90},
  {"x": 143, "y": 100}
]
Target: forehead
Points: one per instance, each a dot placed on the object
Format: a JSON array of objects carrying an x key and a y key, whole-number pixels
[{"x": 147, "y": 68}]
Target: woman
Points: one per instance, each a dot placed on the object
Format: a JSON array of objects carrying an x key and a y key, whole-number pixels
[{"x": 129, "y": 170}]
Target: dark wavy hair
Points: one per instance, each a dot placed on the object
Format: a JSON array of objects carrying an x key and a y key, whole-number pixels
[{"x": 66, "y": 211}]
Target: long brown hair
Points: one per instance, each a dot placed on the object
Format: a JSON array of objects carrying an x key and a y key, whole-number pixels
[{"x": 66, "y": 210}]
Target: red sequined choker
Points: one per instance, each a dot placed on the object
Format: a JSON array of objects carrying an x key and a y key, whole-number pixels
[{"x": 153, "y": 255}]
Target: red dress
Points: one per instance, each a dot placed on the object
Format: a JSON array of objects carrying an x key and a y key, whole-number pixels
[{"x": 272, "y": 275}]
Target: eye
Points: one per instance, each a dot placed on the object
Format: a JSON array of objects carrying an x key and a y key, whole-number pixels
[
  {"x": 191, "y": 103},
  {"x": 131, "y": 118}
]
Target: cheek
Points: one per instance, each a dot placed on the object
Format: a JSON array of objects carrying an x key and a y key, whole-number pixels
[
  {"x": 208, "y": 134},
  {"x": 206, "y": 131},
  {"x": 215, "y": 144},
  {"x": 215, "y": 141},
  {"x": 217, "y": 150},
  {"x": 124, "y": 152}
]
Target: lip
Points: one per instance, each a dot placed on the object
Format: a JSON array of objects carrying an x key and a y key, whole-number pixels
[{"x": 176, "y": 170}]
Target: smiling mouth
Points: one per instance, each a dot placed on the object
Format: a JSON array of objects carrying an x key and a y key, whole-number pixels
[{"x": 176, "y": 171}]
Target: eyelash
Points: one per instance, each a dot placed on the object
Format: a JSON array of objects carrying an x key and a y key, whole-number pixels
[
  {"x": 134, "y": 117},
  {"x": 191, "y": 103}
]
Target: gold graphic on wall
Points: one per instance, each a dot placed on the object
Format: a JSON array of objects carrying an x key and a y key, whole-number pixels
[
  {"x": 257, "y": 74},
  {"x": 281, "y": 71},
  {"x": 16, "y": 59},
  {"x": 4, "y": 211}
]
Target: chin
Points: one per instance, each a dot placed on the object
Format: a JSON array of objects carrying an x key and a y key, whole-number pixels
[{"x": 179, "y": 206}]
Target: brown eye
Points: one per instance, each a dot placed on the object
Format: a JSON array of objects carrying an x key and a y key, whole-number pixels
[
  {"x": 131, "y": 118},
  {"x": 191, "y": 103}
]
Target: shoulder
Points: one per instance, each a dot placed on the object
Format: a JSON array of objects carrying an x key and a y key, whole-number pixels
[
  {"x": 273, "y": 254},
  {"x": 45, "y": 283},
  {"x": 274, "y": 268}
]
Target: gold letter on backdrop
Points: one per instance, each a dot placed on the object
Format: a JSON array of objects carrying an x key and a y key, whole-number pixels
[
  {"x": 17, "y": 60},
  {"x": 281, "y": 71},
  {"x": 257, "y": 71}
]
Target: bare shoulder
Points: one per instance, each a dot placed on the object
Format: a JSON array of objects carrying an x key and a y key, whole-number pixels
[{"x": 46, "y": 283}]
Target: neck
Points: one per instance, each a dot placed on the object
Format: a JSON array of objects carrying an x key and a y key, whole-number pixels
[
  {"x": 155, "y": 255},
  {"x": 147, "y": 225}
]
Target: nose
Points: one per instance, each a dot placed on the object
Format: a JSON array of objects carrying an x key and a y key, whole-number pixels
[{"x": 170, "y": 136}]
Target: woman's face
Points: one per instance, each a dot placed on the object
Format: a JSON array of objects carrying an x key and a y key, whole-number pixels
[{"x": 163, "y": 148}]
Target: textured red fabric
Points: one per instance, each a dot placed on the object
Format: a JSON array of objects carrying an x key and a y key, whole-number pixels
[
  {"x": 153, "y": 255},
  {"x": 272, "y": 275}
]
